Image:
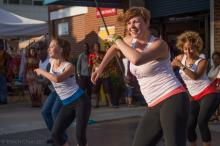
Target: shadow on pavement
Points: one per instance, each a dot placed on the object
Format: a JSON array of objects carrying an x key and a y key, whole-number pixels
[{"x": 108, "y": 133}]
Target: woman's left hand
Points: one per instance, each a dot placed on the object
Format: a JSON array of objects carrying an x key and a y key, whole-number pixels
[
  {"x": 177, "y": 63},
  {"x": 38, "y": 71}
]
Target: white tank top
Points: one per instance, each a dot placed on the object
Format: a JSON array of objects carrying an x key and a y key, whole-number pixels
[
  {"x": 66, "y": 88},
  {"x": 194, "y": 86},
  {"x": 156, "y": 78}
]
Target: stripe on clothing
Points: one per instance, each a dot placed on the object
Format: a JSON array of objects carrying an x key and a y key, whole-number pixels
[{"x": 72, "y": 98}]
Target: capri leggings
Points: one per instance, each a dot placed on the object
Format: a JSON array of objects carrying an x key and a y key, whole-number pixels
[
  {"x": 81, "y": 110},
  {"x": 200, "y": 112},
  {"x": 168, "y": 119}
]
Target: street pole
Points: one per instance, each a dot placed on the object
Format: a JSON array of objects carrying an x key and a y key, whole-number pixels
[{"x": 103, "y": 20}]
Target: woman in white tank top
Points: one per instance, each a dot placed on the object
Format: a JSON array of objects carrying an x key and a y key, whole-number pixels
[
  {"x": 75, "y": 103},
  {"x": 150, "y": 62},
  {"x": 204, "y": 96}
]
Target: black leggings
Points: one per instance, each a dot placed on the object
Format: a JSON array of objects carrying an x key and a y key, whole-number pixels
[
  {"x": 80, "y": 109},
  {"x": 168, "y": 119},
  {"x": 200, "y": 112}
]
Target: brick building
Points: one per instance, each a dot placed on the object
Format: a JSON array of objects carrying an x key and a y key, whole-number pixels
[
  {"x": 83, "y": 24},
  {"x": 169, "y": 19},
  {"x": 215, "y": 9}
]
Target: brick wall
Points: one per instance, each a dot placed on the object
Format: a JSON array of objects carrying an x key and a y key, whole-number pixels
[
  {"x": 84, "y": 28},
  {"x": 217, "y": 25}
]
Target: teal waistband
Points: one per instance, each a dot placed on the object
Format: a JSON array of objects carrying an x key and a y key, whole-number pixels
[{"x": 74, "y": 97}]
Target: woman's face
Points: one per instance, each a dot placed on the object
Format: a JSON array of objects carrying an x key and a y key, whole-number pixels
[
  {"x": 32, "y": 52},
  {"x": 188, "y": 49},
  {"x": 216, "y": 60},
  {"x": 137, "y": 27},
  {"x": 96, "y": 48},
  {"x": 54, "y": 50}
]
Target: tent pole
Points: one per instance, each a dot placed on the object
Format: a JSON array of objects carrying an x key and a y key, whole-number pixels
[{"x": 106, "y": 28}]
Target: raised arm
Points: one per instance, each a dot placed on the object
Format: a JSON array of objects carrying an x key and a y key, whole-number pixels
[
  {"x": 69, "y": 71},
  {"x": 193, "y": 75},
  {"x": 157, "y": 50},
  {"x": 111, "y": 53}
]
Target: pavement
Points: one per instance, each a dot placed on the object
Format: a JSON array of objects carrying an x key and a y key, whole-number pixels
[{"x": 22, "y": 125}]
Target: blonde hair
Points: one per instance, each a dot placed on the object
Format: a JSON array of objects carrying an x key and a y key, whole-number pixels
[
  {"x": 192, "y": 37},
  {"x": 134, "y": 12}
]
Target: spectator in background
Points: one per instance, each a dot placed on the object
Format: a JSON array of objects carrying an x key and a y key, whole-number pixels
[
  {"x": 215, "y": 68},
  {"x": 128, "y": 79},
  {"x": 83, "y": 70},
  {"x": 13, "y": 66},
  {"x": 32, "y": 62},
  {"x": 104, "y": 79},
  {"x": 213, "y": 75},
  {"x": 4, "y": 60}
]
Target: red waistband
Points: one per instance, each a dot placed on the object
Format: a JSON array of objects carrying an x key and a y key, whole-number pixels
[{"x": 209, "y": 89}]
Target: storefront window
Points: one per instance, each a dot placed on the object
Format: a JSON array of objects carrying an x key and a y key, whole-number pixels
[
  {"x": 38, "y": 2},
  {"x": 13, "y": 1},
  {"x": 63, "y": 29},
  {"x": 26, "y": 2}
]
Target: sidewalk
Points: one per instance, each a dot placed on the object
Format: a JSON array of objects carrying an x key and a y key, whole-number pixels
[
  {"x": 22, "y": 125},
  {"x": 20, "y": 117}
]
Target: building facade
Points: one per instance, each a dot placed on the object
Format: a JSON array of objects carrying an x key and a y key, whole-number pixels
[
  {"x": 169, "y": 19},
  {"x": 83, "y": 24}
]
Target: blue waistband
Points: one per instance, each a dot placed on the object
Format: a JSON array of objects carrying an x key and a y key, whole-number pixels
[{"x": 74, "y": 97}]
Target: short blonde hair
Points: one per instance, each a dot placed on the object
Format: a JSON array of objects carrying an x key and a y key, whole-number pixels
[
  {"x": 192, "y": 37},
  {"x": 134, "y": 12}
]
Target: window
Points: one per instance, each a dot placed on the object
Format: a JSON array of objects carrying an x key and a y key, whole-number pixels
[
  {"x": 38, "y": 2},
  {"x": 63, "y": 29},
  {"x": 13, "y": 1},
  {"x": 26, "y": 2}
]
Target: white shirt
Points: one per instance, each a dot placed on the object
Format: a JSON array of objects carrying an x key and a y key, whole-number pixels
[
  {"x": 43, "y": 65},
  {"x": 194, "y": 86}
]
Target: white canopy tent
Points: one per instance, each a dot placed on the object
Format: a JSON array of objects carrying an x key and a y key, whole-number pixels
[{"x": 15, "y": 26}]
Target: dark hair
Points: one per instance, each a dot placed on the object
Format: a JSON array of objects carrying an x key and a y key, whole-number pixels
[
  {"x": 65, "y": 45},
  {"x": 42, "y": 45},
  {"x": 1, "y": 44},
  {"x": 216, "y": 53},
  {"x": 87, "y": 47},
  {"x": 99, "y": 46}
]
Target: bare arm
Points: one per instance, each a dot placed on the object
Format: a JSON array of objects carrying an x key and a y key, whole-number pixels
[
  {"x": 158, "y": 50},
  {"x": 201, "y": 68},
  {"x": 176, "y": 61},
  {"x": 111, "y": 53},
  {"x": 69, "y": 71}
]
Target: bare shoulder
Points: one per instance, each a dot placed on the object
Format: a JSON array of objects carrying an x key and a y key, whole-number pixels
[
  {"x": 203, "y": 61},
  {"x": 159, "y": 44},
  {"x": 127, "y": 39}
]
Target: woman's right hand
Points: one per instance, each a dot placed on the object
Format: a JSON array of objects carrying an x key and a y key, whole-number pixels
[{"x": 95, "y": 75}]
